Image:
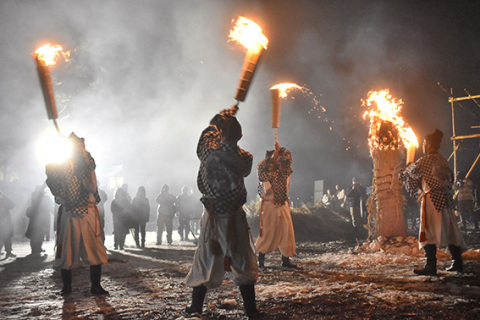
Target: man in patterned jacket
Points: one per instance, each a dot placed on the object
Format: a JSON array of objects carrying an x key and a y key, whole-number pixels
[
  {"x": 74, "y": 185},
  {"x": 276, "y": 227},
  {"x": 438, "y": 227},
  {"x": 225, "y": 243}
]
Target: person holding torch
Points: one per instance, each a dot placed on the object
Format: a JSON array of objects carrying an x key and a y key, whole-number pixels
[
  {"x": 74, "y": 185},
  {"x": 438, "y": 227},
  {"x": 276, "y": 227},
  {"x": 225, "y": 243}
]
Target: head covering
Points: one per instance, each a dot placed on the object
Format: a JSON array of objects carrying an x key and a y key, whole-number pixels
[
  {"x": 434, "y": 139},
  {"x": 75, "y": 139}
]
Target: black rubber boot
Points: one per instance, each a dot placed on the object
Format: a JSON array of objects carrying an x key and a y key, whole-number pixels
[
  {"x": 457, "y": 262},
  {"x": 249, "y": 303},
  {"x": 430, "y": 268},
  {"x": 95, "y": 275},
  {"x": 286, "y": 262},
  {"x": 198, "y": 296},
  {"x": 261, "y": 260},
  {"x": 67, "y": 282}
]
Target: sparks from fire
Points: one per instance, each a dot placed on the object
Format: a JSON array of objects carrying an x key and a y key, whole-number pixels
[
  {"x": 249, "y": 34},
  {"x": 285, "y": 87},
  {"x": 49, "y": 54},
  {"x": 383, "y": 108}
]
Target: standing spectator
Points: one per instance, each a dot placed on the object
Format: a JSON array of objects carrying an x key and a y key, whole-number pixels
[
  {"x": 185, "y": 206},
  {"x": 101, "y": 211},
  {"x": 355, "y": 197},
  {"x": 39, "y": 214},
  {"x": 166, "y": 212},
  {"x": 141, "y": 209},
  {"x": 74, "y": 185},
  {"x": 6, "y": 225},
  {"x": 276, "y": 227},
  {"x": 121, "y": 209},
  {"x": 465, "y": 199},
  {"x": 438, "y": 226},
  {"x": 328, "y": 199},
  {"x": 225, "y": 239}
]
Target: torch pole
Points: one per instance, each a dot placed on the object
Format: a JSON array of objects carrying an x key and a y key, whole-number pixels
[
  {"x": 248, "y": 70},
  {"x": 47, "y": 89},
  {"x": 276, "y": 111}
]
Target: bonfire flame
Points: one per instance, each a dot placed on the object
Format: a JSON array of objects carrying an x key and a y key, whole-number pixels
[
  {"x": 249, "y": 34},
  {"x": 386, "y": 124},
  {"x": 48, "y": 54}
]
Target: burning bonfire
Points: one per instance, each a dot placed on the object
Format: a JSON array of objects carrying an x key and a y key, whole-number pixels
[{"x": 387, "y": 133}]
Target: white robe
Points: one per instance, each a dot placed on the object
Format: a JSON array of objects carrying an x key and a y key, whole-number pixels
[
  {"x": 277, "y": 226},
  {"x": 80, "y": 238},
  {"x": 208, "y": 269},
  {"x": 441, "y": 228}
]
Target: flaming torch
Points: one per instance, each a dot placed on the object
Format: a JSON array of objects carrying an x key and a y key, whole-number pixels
[
  {"x": 387, "y": 131},
  {"x": 249, "y": 34},
  {"x": 44, "y": 57},
  {"x": 278, "y": 92}
]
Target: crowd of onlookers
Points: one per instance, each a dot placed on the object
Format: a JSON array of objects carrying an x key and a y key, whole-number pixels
[
  {"x": 128, "y": 216},
  {"x": 352, "y": 202}
]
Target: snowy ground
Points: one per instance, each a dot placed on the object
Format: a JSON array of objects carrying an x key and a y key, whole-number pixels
[{"x": 334, "y": 282}]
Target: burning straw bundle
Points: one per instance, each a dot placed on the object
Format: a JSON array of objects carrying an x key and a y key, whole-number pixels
[
  {"x": 387, "y": 130},
  {"x": 249, "y": 34},
  {"x": 44, "y": 57}
]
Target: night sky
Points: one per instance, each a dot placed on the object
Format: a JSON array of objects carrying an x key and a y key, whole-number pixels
[{"x": 145, "y": 78}]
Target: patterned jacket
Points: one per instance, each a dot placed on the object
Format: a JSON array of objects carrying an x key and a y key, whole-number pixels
[
  {"x": 68, "y": 182},
  {"x": 222, "y": 170},
  {"x": 434, "y": 170}
]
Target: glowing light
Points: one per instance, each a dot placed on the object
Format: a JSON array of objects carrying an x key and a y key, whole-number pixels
[
  {"x": 52, "y": 148},
  {"x": 249, "y": 34},
  {"x": 285, "y": 88},
  {"x": 383, "y": 109},
  {"x": 49, "y": 54}
]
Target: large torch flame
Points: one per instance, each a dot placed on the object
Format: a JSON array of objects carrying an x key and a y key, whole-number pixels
[
  {"x": 48, "y": 54},
  {"x": 383, "y": 108},
  {"x": 249, "y": 34}
]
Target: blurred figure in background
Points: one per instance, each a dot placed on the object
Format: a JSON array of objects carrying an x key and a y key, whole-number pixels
[
  {"x": 465, "y": 199},
  {"x": 101, "y": 210},
  {"x": 185, "y": 205},
  {"x": 6, "y": 225},
  {"x": 166, "y": 212},
  {"x": 39, "y": 213},
  {"x": 141, "y": 210},
  {"x": 121, "y": 209}
]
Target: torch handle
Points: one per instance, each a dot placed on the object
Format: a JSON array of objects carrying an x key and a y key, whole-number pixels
[
  {"x": 248, "y": 70},
  {"x": 275, "y": 134}
]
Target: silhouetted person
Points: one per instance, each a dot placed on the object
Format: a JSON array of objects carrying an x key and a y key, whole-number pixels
[
  {"x": 141, "y": 210},
  {"x": 276, "y": 227},
  {"x": 38, "y": 213},
  {"x": 465, "y": 199},
  {"x": 121, "y": 209},
  {"x": 74, "y": 185},
  {"x": 225, "y": 240},
  {"x": 101, "y": 211},
  {"x": 6, "y": 225},
  {"x": 185, "y": 205},
  {"x": 356, "y": 196},
  {"x": 166, "y": 212},
  {"x": 438, "y": 227}
]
